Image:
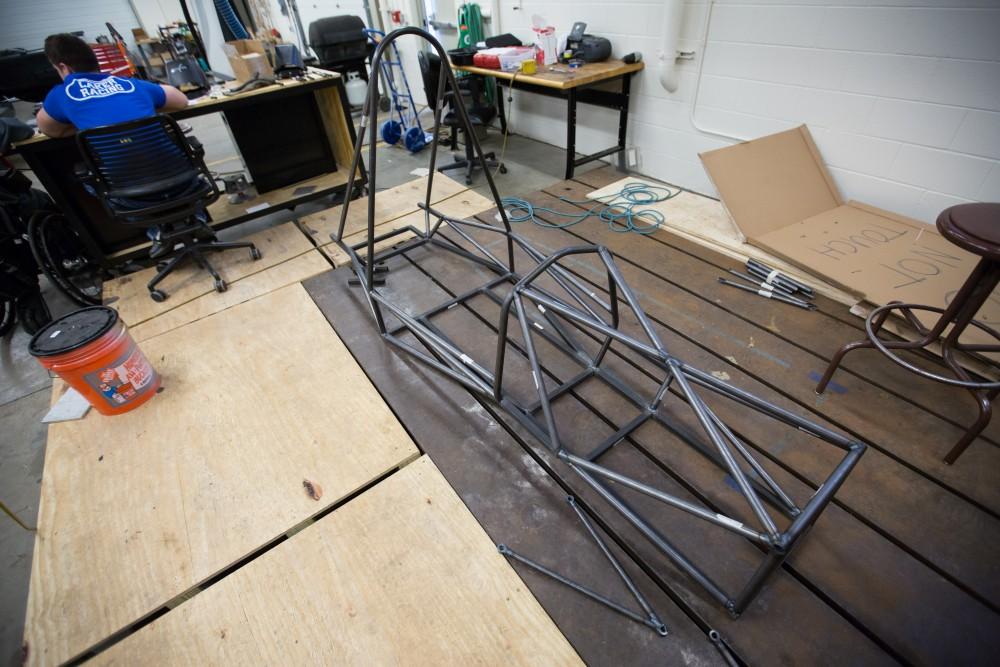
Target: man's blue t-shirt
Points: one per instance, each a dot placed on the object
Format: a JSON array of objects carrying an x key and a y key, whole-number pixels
[{"x": 92, "y": 99}]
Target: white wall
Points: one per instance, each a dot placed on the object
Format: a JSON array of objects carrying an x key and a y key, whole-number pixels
[
  {"x": 902, "y": 98},
  {"x": 25, "y": 24}
]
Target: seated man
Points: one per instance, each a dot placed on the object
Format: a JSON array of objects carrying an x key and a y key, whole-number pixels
[{"x": 87, "y": 98}]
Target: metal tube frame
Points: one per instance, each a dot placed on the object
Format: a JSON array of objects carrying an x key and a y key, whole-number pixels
[{"x": 544, "y": 314}]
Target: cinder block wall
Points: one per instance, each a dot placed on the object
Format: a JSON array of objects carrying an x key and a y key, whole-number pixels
[{"x": 902, "y": 98}]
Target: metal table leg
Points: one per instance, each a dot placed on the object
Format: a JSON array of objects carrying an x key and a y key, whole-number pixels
[
  {"x": 623, "y": 121},
  {"x": 570, "y": 133}
]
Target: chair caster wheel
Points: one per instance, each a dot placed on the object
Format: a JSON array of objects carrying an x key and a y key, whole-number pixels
[
  {"x": 220, "y": 285},
  {"x": 503, "y": 169},
  {"x": 468, "y": 181},
  {"x": 158, "y": 296},
  {"x": 254, "y": 253}
]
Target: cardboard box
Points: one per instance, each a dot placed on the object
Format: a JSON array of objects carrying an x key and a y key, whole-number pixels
[
  {"x": 248, "y": 57},
  {"x": 781, "y": 197}
]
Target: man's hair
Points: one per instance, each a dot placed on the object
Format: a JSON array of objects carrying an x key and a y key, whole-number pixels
[{"x": 71, "y": 51}]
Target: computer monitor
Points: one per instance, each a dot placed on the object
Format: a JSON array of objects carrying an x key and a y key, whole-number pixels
[{"x": 26, "y": 75}]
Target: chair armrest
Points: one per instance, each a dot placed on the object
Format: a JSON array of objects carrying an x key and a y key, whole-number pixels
[
  {"x": 83, "y": 174},
  {"x": 196, "y": 145}
]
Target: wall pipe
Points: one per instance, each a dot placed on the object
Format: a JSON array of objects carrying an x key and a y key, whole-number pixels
[
  {"x": 697, "y": 86},
  {"x": 672, "y": 20}
]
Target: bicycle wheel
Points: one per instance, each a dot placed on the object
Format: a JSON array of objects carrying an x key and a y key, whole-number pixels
[{"x": 58, "y": 251}]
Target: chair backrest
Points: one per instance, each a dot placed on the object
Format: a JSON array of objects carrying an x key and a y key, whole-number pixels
[
  {"x": 145, "y": 160},
  {"x": 430, "y": 72}
]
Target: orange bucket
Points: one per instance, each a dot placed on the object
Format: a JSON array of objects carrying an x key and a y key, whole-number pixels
[{"x": 92, "y": 351}]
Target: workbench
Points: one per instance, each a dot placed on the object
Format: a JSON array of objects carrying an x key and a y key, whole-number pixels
[
  {"x": 587, "y": 85},
  {"x": 295, "y": 138}
]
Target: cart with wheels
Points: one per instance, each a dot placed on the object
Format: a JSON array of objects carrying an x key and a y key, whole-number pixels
[{"x": 406, "y": 123}]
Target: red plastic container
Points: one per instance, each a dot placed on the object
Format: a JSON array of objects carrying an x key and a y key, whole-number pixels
[{"x": 92, "y": 351}]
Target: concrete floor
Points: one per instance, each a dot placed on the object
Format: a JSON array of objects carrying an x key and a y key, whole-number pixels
[{"x": 24, "y": 395}]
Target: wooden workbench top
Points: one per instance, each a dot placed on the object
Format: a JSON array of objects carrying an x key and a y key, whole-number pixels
[
  {"x": 559, "y": 76},
  {"x": 206, "y": 104}
]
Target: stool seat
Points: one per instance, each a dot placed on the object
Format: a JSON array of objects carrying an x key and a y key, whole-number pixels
[{"x": 973, "y": 227}]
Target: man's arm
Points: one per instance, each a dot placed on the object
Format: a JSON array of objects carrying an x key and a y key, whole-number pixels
[
  {"x": 53, "y": 128},
  {"x": 175, "y": 99}
]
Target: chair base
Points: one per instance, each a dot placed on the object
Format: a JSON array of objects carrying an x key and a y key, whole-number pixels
[
  {"x": 469, "y": 165},
  {"x": 196, "y": 251}
]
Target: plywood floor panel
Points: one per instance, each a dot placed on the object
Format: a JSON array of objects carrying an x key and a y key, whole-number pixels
[
  {"x": 292, "y": 271},
  {"x": 463, "y": 205},
  {"x": 139, "y": 508},
  {"x": 129, "y": 296},
  {"x": 390, "y": 204},
  {"x": 402, "y": 574}
]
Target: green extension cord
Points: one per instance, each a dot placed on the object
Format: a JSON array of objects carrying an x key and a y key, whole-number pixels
[{"x": 621, "y": 211}]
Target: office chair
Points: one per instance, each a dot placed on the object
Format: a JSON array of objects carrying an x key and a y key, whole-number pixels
[
  {"x": 146, "y": 173},
  {"x": 479, "y": 113}
]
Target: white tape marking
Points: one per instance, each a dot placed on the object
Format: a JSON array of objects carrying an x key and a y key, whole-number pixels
[{"x": 729, "y": 522}]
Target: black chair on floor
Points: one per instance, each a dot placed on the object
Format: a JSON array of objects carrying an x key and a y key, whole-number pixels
[
  {"x": 471, "y": 95},
  {"x": 148, "y": 174}
]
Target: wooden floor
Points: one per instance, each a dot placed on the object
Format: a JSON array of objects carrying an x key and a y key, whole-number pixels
[
  {"x": 902, "y": 567},
  {"x": 152, "y": 541}
]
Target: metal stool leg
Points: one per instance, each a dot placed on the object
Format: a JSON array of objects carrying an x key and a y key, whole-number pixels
[
  {"x": 849, "y": 347},
  {"x": 985, "y": 402}
]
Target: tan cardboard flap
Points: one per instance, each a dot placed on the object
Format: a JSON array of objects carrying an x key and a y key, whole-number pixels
[
  {"x": 880, "y": 256},
  {"x": 771, "y": 182}
]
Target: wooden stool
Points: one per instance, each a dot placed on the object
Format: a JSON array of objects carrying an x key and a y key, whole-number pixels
[{"x": 976, "y": 228}]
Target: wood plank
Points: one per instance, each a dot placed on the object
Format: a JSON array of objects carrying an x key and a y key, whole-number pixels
[
  {"x": 872, "y": 578},
  {"x": 401, "y": 574},
  {"x": 819, "y": 333},
  {"x": 222, "y": 210},
  {"x": 562, "y": 78},
  {"x": 509, "y": 494},
  {"x": 389, "y": 205},
  {"x": 462, "y": 205},
  {"x": 338, "y": 133},
  {"x": 129, "y": 296},
  {"x": 139, "y": 508},
  {"x": 785, "y": 604},
  {"x": 705, "y": 220},
  {"x": 879, "y": 489},
  {"x": 294, "y": 270}
]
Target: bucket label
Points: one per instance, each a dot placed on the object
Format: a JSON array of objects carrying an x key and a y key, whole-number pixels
[{"x": 125, "y": 379}]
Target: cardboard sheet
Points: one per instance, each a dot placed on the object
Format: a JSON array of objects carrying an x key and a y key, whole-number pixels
[
  {"x": 772, "y": 182},
  {"x": 781, "y": 196}
]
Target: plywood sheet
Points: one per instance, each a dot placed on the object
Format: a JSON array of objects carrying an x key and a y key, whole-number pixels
[
  {"x": 705, "y": 221},
  {"x": 294, "y": 270},
  {"x": 389, "y": 205},
  {"x": 137, "y": 509},
  {"x": 462, "y": 206},
  {"x": 130, "y": 297},
  {"x": 403, "y": 574}
]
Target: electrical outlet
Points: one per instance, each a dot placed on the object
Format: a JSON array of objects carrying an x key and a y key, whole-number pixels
[{"x": 632, "y": 156}]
